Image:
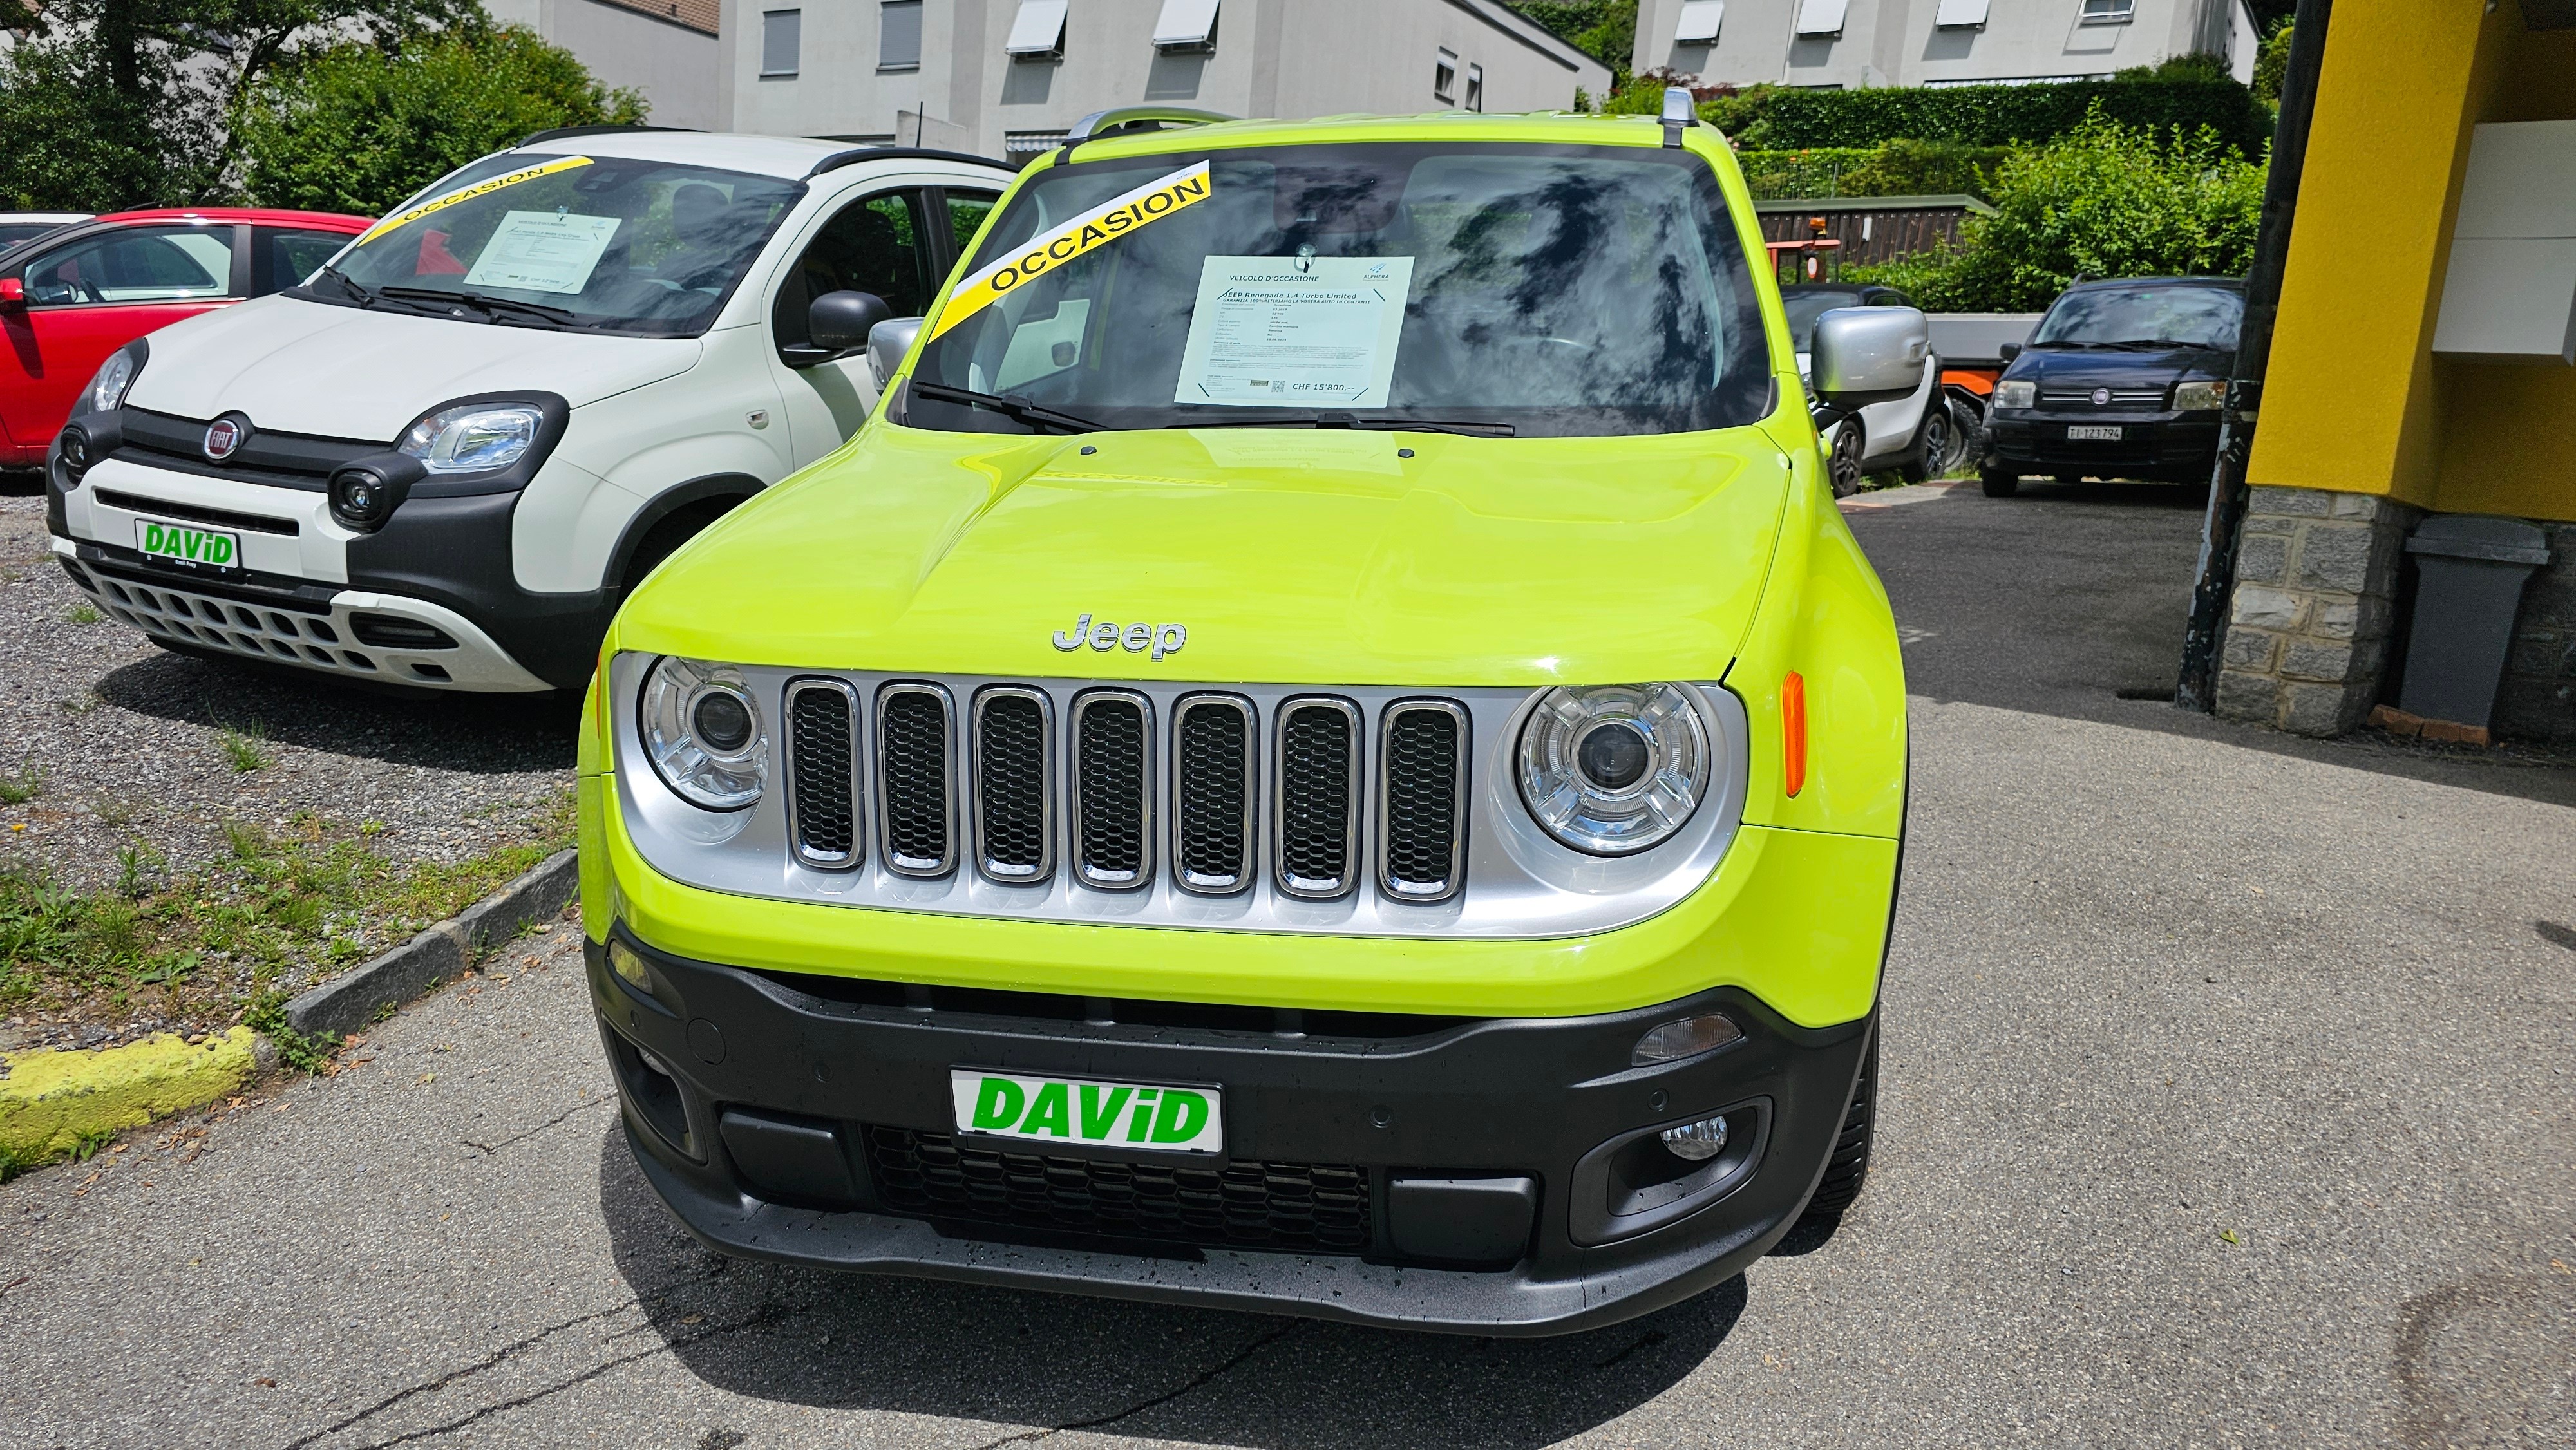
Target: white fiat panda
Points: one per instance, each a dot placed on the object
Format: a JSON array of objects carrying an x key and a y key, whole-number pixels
[{"x": 443, "y": 460}]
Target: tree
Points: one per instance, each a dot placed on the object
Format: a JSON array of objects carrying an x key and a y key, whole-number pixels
[
  {"x": 1605, "y": 30},
  {"x": 113, "y": 103},
  {"x": 2105, "y": 201},
  {"x": 2271, "y": 65},
  {"x": 359, "y": 127}
]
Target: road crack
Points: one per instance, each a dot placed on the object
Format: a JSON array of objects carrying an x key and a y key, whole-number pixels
[
  {"x": 1197, "y": 1382},
  {"x": 491, "y": 1148}
]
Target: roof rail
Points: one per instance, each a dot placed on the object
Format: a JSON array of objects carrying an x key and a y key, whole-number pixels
[
  {"x": 857, "y": 154},
  {"x": 560, "y": 132},
  {"x": 1119, "y": 118}
]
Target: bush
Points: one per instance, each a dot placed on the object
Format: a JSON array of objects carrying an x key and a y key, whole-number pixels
[
  {"x": 2271, "y": 67},
  {"x": 1776, "y": 118},
  {"x": 357, "y": 128},
  {"x": 1605, "y": 30},
  {"x": 2106, "y": 201},
  {"x": 1898, "y": 168}
]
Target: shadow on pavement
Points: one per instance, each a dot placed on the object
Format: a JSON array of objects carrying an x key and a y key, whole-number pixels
[
  {"x": 912, "y": 1346},
  {"x": 2070, "y": 600},
  {"x": 480, "y": 734}
]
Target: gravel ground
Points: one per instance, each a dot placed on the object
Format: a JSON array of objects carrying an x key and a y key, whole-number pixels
[
  {"x": 2226, "y": 1104},
  {"x": 128, "y": 741}
]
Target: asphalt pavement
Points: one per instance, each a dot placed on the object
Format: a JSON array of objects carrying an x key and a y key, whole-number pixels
[{"x": 2227, "y": 1102}]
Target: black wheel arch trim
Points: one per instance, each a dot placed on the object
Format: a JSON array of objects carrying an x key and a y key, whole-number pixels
[{"x": 736, "y": 486}]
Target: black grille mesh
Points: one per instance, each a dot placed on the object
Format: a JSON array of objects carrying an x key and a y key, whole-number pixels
[
  {"x": 1421, "y": 797},
  {"x": 1111, "y": 776},
  {"x": 1310, "y": 1206},
  {"x": 1209, "y": 768},
  {"x": 914, "y": 726},
  {"x": 1010, "y": 782},
  {"x": 1315, "y": 794},
  {"x": 819, "y": 757}
]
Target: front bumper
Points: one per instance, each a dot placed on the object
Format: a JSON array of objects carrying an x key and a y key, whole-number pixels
[
  {"x": 2182, "y": 446},
  {"x": 790, "y": 1118}
]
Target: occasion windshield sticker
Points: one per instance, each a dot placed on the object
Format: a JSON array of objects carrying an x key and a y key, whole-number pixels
[
  {"x": 1100, "y": 1114},
  {"x": 1097, "y": 227},
  {"x": 485, "y": 187},
  {"x": 1295, "y": 332},
  {"x": 542, "y": 251}
]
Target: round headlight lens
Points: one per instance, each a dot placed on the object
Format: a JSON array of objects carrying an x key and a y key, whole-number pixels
[
  {"x": 1614, "y": 768},
  {"x": 474, "y": 438},
  {"x": 107, "y": 388},
  {"x": 702, "y": 732}
]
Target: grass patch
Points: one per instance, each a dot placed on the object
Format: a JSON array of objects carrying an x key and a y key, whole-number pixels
[
  {"x": 242, "y": 746},
  {"x": 227, "y": 940},
  {"x": 83, "y": 613},
  {"x": 26, "y": 785}
]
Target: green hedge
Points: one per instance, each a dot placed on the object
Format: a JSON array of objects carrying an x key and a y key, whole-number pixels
[
  {"x": 1898, "y": 168},
  {"x": 1779, "y": 119}
]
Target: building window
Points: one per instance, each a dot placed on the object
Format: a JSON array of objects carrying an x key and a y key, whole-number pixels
[
  {"x": 1475, "y": 87},
  {"x": 778, "y": 33},
  {"x": 1037, "y": 31},
  {"x": 899, "y": 35},
  {"x": 1444, "y": 77},
  {"x": 2109, "y": 12},
  {"x": 1822, "y": 17},
  {"x": 1022, "y": 147},
  {"x": 1186, "y": 27}
]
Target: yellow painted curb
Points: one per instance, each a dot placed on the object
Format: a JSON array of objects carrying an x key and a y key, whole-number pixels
[{"x": 52, "y": 1098}]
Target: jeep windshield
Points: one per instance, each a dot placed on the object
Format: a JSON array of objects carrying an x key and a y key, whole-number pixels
[
  {"x": 599, "y": 244},
  {"x": 2139, "y": 317},
  {"x": 1520, "y": 289}
]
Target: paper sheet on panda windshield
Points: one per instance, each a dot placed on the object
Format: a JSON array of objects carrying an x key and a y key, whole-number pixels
[
  {"x": 542, "y": 251},
  {"x": 1295, "y": 332}
]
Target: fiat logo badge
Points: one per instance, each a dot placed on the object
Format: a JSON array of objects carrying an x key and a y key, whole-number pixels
[
  {"x": 222, "y": 437},
  {"x": 2101, "y": 399}
]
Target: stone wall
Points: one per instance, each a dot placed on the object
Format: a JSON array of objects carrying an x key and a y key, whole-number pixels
[
  {"x": 2538, "y": 700},
  {"x": 2309, "y": 624}
]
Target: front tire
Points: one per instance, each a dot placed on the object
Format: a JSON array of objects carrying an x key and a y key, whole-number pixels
[
  {"x": 1842, "y": 464},
  {"x": 1930, "y": 456},
  {"x": 1999, "y": 483},
  {"x": 1847, "y": 1169}
]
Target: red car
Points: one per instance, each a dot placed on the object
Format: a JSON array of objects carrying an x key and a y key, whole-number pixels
[{"x": 72, "y": 298}]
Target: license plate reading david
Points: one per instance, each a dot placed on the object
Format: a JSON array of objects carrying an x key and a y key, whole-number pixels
[
  {"x": 188, "y": 545},
  {"x": 2092, "y": 433},
  {"x": 1153, "y": 1118}
]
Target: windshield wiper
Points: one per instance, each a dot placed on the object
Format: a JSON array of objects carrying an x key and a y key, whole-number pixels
[
  {"x": 1329, "y": 419},
  {"x": 357, "y": 290},
  {"x": 478, "y": 300},
  {"x": 1009, "y": 404}
]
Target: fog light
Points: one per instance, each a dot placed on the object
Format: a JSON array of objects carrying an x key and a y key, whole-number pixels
[
  {"x": 75, "y": 454},
  {"x": 1689, "y": 1037},
  {"x": 364, "y": 498},
  {"x": 623, "y": 961},
  {"x": 658, "y": 1065},
  {"x": 1697, "y": 1142}
]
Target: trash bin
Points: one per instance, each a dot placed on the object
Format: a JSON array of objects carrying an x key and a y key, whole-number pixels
[{"x": 2470, "y": 570}]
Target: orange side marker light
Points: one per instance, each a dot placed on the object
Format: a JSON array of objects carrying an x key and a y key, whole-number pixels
[{"x": 1793, "y": 732}]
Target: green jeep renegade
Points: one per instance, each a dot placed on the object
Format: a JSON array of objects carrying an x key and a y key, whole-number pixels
[{"x": 1326, "y": 751}]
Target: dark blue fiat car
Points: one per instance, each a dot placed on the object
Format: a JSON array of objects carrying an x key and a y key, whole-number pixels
[{"x": 2120, "y": 380}]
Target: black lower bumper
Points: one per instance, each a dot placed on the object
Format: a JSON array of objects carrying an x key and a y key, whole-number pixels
[
  {"x": 2180, "y": 447},
  {"x": 1476, "y": 1176}
]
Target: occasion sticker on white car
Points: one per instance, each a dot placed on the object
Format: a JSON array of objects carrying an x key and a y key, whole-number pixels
[
  {"x": 187, "y": 545},
  {"x": 1157, "y": 1118}
]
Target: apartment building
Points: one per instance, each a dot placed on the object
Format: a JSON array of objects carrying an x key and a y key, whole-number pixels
[
  {"x": 1848, "y": 44},
  {"x": 666, "y": 49},
  {"x": 1008, "y": 77}
]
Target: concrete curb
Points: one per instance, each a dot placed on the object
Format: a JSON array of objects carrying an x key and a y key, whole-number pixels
[
  {"x": 52, "y": 1098},
  {"x": 348, "y": 1003}
]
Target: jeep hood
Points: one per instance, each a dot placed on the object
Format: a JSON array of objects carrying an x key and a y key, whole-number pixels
[
  {"x": 1289, "y": 555},
  {"x": 345, "y": 372}
]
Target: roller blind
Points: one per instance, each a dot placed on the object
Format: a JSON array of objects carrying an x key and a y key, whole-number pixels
[
  {"x": 1038, "y": 29},
  {"x": 1821, "y": 17},
  {"x": 1699, "y": 22},
  {"x": 1956, "y": 13},
  {"x": 1185, "y": 23}
]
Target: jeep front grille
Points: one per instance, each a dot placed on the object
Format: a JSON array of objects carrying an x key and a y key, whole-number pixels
[
  {"x": 1319, "y": 805},
  {"x": 915, "y": 778},
  {"x": 1422, "y": 777},
  {"x": 1213, "y": 766},
  {"x": 823, "y": 773},
  {"x": 1014, "y": 784}
]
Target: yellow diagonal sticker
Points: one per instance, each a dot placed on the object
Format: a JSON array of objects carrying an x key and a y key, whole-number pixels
[
  {"x": 1097, "y": 227},
  {"x": 485, "y": 187}
]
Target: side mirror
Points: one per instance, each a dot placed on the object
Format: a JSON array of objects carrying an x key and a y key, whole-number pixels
[
  {"x": 1866, "y": 355},
  {"x": 840, "y": 321},
  {"x": 2008, "y": 351},
  {"x": 13, "y": 294},
  {"x": 888, "y": 341}
]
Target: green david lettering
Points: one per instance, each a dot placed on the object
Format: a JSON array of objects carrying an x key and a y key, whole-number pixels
[
  {"x": 1050, "y": 1112},
  {"x": 1181, "y": 1117},
  {"x": 153, "y": 543},
  {"x": 191, "y": 541},
  {"x": 1099, "y": 1117},
  {"x": 219, "y": 549},
  {"x": 998, "y": 1104},
  {"x": 1144, "y": 1119}
]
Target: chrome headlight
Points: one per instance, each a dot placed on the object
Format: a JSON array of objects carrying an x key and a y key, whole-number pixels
[
  {"x": 107, "y": 389},
  {"x": 2021, "y": 393},
  {"x": 473, "y": 437},
  {"x": 703, "y": 732},
  {"x": 2199, "y": 397},
  {"x": 1614, "y": 769}
]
